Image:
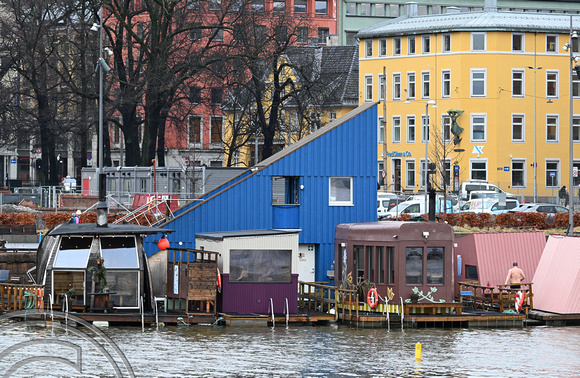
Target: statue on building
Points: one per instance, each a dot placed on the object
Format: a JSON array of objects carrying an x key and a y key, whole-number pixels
[{"x": 455, "y": 128}]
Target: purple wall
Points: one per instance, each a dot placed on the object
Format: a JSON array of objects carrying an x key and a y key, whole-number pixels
[{"x": 254, "y": 297}]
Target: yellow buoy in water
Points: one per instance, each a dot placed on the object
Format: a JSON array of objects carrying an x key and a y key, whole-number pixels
[{"x": 418, "y": 352}]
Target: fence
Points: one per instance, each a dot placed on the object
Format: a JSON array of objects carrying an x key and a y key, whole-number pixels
[{"x": 16, "y": 297}]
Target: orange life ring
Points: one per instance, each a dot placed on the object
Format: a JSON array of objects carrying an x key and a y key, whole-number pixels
[
  {"x": 373, "y": 298},
  {"x": 219, "y": 280},
  {"x": 519, "y": 301}
]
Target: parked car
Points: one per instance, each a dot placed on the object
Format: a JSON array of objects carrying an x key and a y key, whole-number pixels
[
  {"x": 547, "y": 208},
  {"x": 475, "y": 194},
  {"x": 415, "y": 208},
  {"x": 489, "y": 205},
  {"x": 471, "y": 185},
  {"x": 385, "y": 204}
]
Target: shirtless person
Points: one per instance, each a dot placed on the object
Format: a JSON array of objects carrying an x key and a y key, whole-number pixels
[{"x": 515, "y": 277}]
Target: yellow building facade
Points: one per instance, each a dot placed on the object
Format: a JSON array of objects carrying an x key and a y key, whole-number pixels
[{"x": 506, "y": 80}]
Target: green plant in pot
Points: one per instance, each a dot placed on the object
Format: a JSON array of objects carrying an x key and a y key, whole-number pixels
[{"x": 99, "y": 274}]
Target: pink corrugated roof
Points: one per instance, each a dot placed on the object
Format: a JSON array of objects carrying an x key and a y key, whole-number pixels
[
  {"x": 496, "y": 253},
  {"x": 557, "y": 278}
]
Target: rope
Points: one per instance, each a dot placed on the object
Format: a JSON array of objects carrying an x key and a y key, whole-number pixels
[
  {"x": 510, "y": 311},
  {"x": 180, "y": 319},
  {"x": 28, "y": 303}
]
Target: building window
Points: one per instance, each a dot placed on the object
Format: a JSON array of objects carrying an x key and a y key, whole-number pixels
[
  {"x": 410, "y": 174},
  {"x": 426, "y": 84},
  {"x": 217, "y": 34},
  {"x": 351, "y": 38},
  {"x": 426, "y": 44},
  {"x": 576, "y": 129},
  {"x": 351, "y": 9},
  {"x": 410, "y": 85},
  {"x": 194, "y": 129},
  {"x": 425, "y": 129},
  {"x": 382, "y": 87},
  {"x": 239, "y": 33},
  {"x": 478, "y": 128},
  {"x": 365, "y": 9},
  {"x": 396, "y": 86},
  {"x": 322, "y": 35},
  {"x": 396, "y": 129},
  {"x": 340, "y": 191},
  {"x": 381, "y": 130},
  {"x": 517, "y": 42},
  {"x": 446, "y": 129},
  {"x": 478, "y": 82},
  {"x": 518, "y": 173},
  {"x": 331, "y": 116},
  {"x": 393, "y": 10},
  {"x": 478, "y": 41},
  {"x": 575, "y": 85},
  {"x": 216, "y": 129},
  {"x": 424, "y": 167},
  {"x": 216, "y": 96},
  {"x": 446, "y": 173},
  {"x": 257, "y": 5},
  {"x": 552, "y": 84},
  {"x": 435, "y": 265},
  {"x": 552, "y": 128},
  {"x": 194, "y": 95},
  {"x": 446, "y": 83},
  {"x": 478, "y": 169},
  {"x": 551, "y": 43},
  {"x": 368, "y": 88},
  {"x": 281, "y": 34},
  {"x": 410, "y": 129},
  {"x": 380, "y": 10},
  {"x": 517, "y": 83},
  {"x": 518, "y": 130},
  {"x": 320, "y": 7},
  {"x": 446, "y": 43},
  {"x": 414, "y": 265},
  {"x": 369, "y": 48},
  {"x": 300, "y": 6},
  {"x": 411, "y": 45},
  {"x": 397, "y": 46},
  {"x": 382, "y": 47},
  {"x": 552, "y": 173},
  {"x": 279, "y": 6},
  {"x": 216, "y": 4},
  {"x": 195, "y": 32},
  {"x": 302, "y": 35}
]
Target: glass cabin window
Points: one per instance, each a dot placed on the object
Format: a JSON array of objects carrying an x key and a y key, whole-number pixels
[
  {"x": 119, "y": 252},
  {"x": 73, "y": 252}
]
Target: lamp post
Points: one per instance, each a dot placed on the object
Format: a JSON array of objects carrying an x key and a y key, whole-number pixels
[
  {"x": 573, "y": 59},
  {"x": 535, "y": 68},
  {"x": 102, "y": 208},
  {"x": 427, "y": 132}
]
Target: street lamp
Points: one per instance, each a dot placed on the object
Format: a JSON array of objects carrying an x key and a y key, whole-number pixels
[
  {"x": 535, "y": 68},
  {"x": 573, "y": 59},
  {"x": 102, "y": 208},
  {"x": 427, "y": 133}
]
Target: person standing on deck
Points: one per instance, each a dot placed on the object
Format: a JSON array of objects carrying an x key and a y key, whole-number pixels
[
  {"x": 562, "y": 195},
  {"x": 515, "y": 277}
]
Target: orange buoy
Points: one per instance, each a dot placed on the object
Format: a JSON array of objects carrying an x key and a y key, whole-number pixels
[
  {"x": 163, "y": 243},
  {"x": 219, "y": 280},
  {"x": 373, "y": 298}
]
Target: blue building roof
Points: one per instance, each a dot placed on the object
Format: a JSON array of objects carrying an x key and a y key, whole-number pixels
[{"x": 345, "y": 147}]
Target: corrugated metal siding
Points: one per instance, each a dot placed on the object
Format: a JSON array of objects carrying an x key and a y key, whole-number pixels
[
  {"x": 347, "y": 149},
  {"x": 495, "y": 254},
  {"x": 557, "y": 278}
]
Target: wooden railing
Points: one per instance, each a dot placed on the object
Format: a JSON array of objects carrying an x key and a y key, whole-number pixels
[
  {"x": 481, "y": 296},
  {"x": 316, "y": 296},
  {"x": 15, "y": 297},
  {"x": 507, "y": 296}
]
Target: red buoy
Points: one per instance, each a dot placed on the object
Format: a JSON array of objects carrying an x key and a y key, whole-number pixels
[{"x": 163, "y": 243}]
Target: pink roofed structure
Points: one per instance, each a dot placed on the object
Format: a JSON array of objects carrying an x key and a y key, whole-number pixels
[
  {"x": 487, "y": 257},
  {"x": 557, "y": 278}
]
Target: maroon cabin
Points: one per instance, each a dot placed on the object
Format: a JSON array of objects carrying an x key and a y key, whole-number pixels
[{"x": 398, "y": 255}]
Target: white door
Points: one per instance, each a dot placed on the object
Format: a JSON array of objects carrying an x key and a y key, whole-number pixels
[{"x": 306, "y": 253}]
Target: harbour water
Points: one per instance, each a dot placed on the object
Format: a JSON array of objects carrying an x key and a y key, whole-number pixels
[{"x": 299, "y": 351}]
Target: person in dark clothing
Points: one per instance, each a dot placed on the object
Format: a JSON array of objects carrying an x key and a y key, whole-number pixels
[{"x": 562, "y": 195}]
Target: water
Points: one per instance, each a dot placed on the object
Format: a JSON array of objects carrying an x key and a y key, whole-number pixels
[{"x": 301, "y": 351}]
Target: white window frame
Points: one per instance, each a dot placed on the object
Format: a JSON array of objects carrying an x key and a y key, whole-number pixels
[
  {"x": 410, "y": 126},
  {"x": 446, "y": 43},
  {"x": 521, "y": 80},
  {"x": 382, "y": 87},
  {"x": 576, "y": 128},
  {"x": 446, "y": 128},
  {"x": 410, "y": 173},
  {"x": 381, "y": 130},
  {"x": 484, "y": 80},
  {"x": 445, "y": 167},
  {"x": 425, "y": 128},
  {"x": 413, "y": 44},
  {"x": 575, "y": 85},
  {"x": 422, "y": 172},
  {"x": 557, "y": 127},
  {"x": 382, "y": 47},
  {"x": 523, "y": 39},
  {"x": 411, "y": 83},
  {"x": 189, "y": 142},
  {"x": 476, "y": 34},
  {"x": 368, "y": 48},
  {"x": 555, "y": 80},
  {"x": 426, "y": 44},
  {"x": 553, "y": 50},
  {"x": 478, "y": 160},
  {"x": 425, "y": 84},
  {"x": 211, "y": 118},
  {"x": 397, "y": 84},
  {"x": 368, "y": 88},
  {"x": 396, "y": 46},
  {"x": 334, "y": 202},
  {"x": 396, "y": 123},
  {"x": 549, "y": 183},
  {"x": 522, "y": 125},
  {"x": 446, "y": 84},
  {"x": 523, "y": 161},
  {"x": 479, "y": 115}
]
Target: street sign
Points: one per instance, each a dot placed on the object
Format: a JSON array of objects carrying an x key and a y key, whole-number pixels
[
  {"x": 89, "y": 156},
  {"x": 552, "y": 174},
  {"x": 383, "y": 173},
  {"x": 575, "y": 172},
  {"x": 506, "y": 169}
]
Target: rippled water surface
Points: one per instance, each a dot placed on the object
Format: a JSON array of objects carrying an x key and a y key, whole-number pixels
[{"x": 306, "y": 351}]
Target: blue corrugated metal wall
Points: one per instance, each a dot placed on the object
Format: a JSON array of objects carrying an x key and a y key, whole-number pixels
[{"x": 348, "y": 150}]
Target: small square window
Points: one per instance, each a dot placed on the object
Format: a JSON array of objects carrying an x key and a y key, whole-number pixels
[{"x": 340, "y": 191}]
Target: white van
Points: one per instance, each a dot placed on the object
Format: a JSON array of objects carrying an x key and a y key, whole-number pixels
[
  {"x": 471, "y": 185},
  {"x": 489, "y": 205},
  {"x": 415, "y": 208}
]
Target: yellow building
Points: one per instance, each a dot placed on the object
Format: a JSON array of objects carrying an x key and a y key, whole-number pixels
[
  {"x": 330, "y": 76},
  {"x": 508, "y": 76}
]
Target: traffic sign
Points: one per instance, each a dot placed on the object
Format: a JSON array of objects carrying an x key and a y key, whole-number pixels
[
  {"x": 575, "y": 172},
  {"x": 552, "y": 174},
  {"x": 383, "y": 173}
]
